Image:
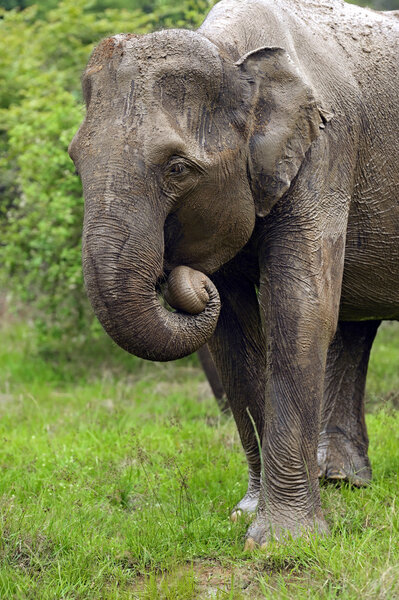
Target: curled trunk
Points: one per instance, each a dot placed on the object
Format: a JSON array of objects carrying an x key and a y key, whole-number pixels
[
  {"x": 187, "y": 290},
  {"x": 122, "y": 264}
]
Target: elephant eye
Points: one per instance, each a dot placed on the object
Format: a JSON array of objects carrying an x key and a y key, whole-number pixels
[
  {"x": 178, "y": 167},
  {"x": 180, "y": 176}
]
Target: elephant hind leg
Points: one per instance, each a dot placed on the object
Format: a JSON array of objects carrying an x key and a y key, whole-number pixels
[
  {"x": 213, "y": 378},
  {"x": 343, "y": 443}
]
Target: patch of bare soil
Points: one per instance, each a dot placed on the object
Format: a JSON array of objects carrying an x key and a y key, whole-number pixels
[{"x": 212, "y": 581}]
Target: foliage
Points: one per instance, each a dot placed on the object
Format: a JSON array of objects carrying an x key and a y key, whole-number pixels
[
  {"x": 152, "y": 5},
  {"x": 378, "y": 4},
  {"x": 118, "y": 476},
  {"x": 41, "y": 58},
  {"x": 97, "y": 6}
]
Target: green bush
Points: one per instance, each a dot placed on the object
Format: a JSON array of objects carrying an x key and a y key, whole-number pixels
[{"x": 41, "y": 209}]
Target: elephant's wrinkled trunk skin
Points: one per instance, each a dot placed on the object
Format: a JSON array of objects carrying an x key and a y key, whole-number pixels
[
  {"x": 186, "y": 290},
  {"x": 122, "y": 263}
]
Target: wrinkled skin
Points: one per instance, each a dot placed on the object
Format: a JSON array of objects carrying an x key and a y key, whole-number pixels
[
  {"x": 343, "y": 442},
  {"x": 259, "y": 152}
]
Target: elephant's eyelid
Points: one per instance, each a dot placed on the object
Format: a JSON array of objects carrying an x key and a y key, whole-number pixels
[
  {"x": 185, "y": 162},
  {"x": 175, "y": 162},
  {"x": 175, "y": 158}
]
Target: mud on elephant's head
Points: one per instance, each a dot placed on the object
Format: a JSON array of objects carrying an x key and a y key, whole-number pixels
[{"x": 181, "y": 147}]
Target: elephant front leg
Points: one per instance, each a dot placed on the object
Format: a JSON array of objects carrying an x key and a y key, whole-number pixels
[
  {"x": 299, "y": 300},
  {"x": 238, "y": 349},
  {"x": 343, "y": 443}
]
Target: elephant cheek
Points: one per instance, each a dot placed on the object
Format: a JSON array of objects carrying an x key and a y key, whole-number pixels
[{"x": 210, "y": 238}]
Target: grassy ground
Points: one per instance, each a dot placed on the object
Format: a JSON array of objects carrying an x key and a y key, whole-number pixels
[{"x": 118, "y": 476}]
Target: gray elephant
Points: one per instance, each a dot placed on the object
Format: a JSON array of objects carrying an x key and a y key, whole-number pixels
[
  {"x": 343, "y": 441},
  {"x": 251, "y": 168}
]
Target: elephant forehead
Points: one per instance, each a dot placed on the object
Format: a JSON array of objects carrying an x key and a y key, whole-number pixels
[
  {"x": 177, "y": 70},
  {"x": 170, "y": 68},
  {"x": 148, "y": 57},
  {"x": 149, "y": 85}
]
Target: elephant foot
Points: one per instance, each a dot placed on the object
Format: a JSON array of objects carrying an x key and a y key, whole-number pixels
[
  {"x": 341, "y": 459},
  {"x": 246, "y": 506},
  {"x": 264, "y": 529}
]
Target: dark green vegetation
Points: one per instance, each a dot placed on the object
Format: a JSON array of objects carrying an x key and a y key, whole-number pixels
[
  {"x": 153, "y": 5},
  {"x": 118, "y": 477},
  {"x": 96, "y": 6}
]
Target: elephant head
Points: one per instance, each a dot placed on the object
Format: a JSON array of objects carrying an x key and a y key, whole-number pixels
[{"x": 179, "y": 150}]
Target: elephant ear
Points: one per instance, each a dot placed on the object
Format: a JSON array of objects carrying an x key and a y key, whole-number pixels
[{"x": 285, "y": 119}]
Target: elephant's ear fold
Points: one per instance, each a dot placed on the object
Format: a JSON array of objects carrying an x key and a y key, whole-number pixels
[{"x": 284, "y": 120}]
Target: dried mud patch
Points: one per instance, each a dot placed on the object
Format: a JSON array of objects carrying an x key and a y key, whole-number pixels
[{"x": 212, "y": 580}]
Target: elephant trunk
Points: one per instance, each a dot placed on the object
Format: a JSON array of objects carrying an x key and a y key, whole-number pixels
[
  {"x": 186, "y": 290},
  {"x": 122, "y": 264}
]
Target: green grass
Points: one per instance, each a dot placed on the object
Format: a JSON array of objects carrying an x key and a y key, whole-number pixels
[
  {"x": 383, "y": 374},
  {"x": 118, "y": 476}
]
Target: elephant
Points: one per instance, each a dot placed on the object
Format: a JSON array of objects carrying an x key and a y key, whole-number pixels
[
  {"x": 343, "y": 440},
  {"x": 248, "y": 172},
  {"x": 209, "y": 368}
]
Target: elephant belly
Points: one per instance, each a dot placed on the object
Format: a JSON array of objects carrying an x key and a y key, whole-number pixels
[{"x": 370, "y": 287}]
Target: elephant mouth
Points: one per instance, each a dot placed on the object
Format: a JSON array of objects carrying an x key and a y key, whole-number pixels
[
  {"x": 188, "y": 250},
  {"x": 182, "y": 287}
]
